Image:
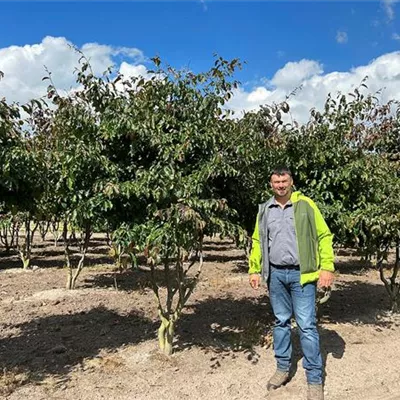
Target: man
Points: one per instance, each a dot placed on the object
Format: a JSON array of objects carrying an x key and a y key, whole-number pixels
[{"x": 292, "y": 252}]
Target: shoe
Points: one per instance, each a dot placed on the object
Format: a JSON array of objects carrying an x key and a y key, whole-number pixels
[
  {"x": 315, "y": 392},
  {"x": 277, "y": 380}
]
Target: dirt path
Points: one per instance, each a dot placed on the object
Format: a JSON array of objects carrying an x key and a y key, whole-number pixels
[{"x": 99, "y": 343}]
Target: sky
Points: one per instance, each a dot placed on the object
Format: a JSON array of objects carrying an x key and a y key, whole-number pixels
[{"x": 319, "y": 46}]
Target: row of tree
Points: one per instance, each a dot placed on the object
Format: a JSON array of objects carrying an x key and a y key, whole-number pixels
[{"x": 161, "y": 162}]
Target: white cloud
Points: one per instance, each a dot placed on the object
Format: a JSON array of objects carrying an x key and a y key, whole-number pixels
[
  {"x": 24, "y": 66},
  {"x": 388, "y": 6},
  {"x": 396, "y": 36},
  {"x": 129, "y": 70},
  {"x": 294, "y": 73},
  {"x": 258, "y": 95},
  {"x": 341, "y": 37},
  {"x": 383, "y": 73}
]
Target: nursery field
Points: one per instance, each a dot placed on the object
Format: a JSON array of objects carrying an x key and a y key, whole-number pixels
[{"x": 99, "y": 341}]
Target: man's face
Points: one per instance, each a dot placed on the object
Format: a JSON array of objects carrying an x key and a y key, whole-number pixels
[{"x": 281, "y": 185}]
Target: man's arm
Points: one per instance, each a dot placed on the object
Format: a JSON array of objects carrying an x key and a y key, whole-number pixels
[
  {"x": 255, "y": 259},
  {"x": 325, "y": 250},
  {"x": 325, "y": 245}
]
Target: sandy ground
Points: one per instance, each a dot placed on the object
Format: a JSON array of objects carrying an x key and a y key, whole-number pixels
[{"x": 99, "y": 343}]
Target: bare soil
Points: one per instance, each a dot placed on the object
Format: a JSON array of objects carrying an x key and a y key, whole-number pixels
[{"x": 97, "y": 342}]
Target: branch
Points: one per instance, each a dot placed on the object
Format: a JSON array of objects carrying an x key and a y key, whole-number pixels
[
  {"x": 170, "y": 292},
  {"x": 396, "y": 286},
  {"x": 156, "y": 289},
  {"x": 199, "y": 253},
  {"x": 188, "y": 268},
  {"x": 180, "y": 277},
  {"x": 380, "y": 258},
  {"x": 396, "y": 266},
  {"x": 383, "y": 279}
]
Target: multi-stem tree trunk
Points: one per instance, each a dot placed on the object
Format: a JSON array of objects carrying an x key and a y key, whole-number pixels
[
  {"x": 26, "y": 249},
  {"x": 166, "y": 332},
  {"x": 43, "y": 229},
  {"x": 121, "y": 259},
  {"x": 7, "y": 235},
  {"x": 391, "y": 284},
  {"x": 16, "y": 227},
  {"x": 177, "y": 283},
  {"x": 73, "y": 273},
  {"x": 55, "y": 225}
]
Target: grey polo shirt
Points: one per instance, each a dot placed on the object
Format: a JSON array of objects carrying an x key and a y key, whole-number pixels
[{"x": 282, "y": 242}]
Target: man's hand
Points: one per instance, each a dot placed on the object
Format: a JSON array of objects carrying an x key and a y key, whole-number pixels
[
  {"x": 326, "y": 278},
  {"x": 255, "y": 280}
]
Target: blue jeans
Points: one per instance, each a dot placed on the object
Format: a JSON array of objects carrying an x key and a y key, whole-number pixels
[{"x": 287, "y": 296}]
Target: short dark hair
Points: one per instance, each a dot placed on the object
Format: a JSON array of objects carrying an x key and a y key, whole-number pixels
[{"x": 281, "y": 170}]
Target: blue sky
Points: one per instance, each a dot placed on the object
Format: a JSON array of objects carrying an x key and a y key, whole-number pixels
[
  {"x": 264, "y": 34},
  {"x": 337, "y": 35}
]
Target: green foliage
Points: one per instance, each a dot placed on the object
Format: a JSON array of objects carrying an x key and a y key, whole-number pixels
[
  {"x": 161, "y": 162},
  {"x": 20, "y": 178},
  {"x": 172, "y": 128}
]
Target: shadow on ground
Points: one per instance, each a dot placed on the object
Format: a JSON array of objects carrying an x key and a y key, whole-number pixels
[
  {"x": 128, "y": 280},
  {"x": 219, "y": 247},
  {"x": 57, "y": 343},
  {"x": 357, "y": 303},
  {"x": 354, "y": 302},
  {"x": 53, "y": 259},
  {"x": 331, "y": 343},
  {"x": 223, "y": 258},
  {"x": 353, "y": 266},
  {"x": 226, "y": 325},
  {"x": 222, "y": 327},
  {"x": 46, "y": 255}
]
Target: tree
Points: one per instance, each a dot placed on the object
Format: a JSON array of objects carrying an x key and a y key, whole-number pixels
[
  {"x": 21, "y": 183},
  {"x": 166, "y": 136},
  {"x": 345, "y": 159},
  {"x": 78, "y": 171}
]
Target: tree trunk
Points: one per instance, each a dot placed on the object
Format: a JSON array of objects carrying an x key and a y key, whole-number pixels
[
  {"x": 78, "y": 270},
  {"x": 72, "y": 275},
  {"x": 69, "y": 279},
  {"x": 395, "y": 285},
  {"x": 54, "y": 230},
  {"x": 16, "y": 230},
  {"x": 67, "y": 255},
  {"x": 4, "y": 237},
  {"x": 392, "y": 286},
  {"x": 25, "y": 250},
  {"x": 43, "y": 229},
  {"x": 166, "y": 335}
]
